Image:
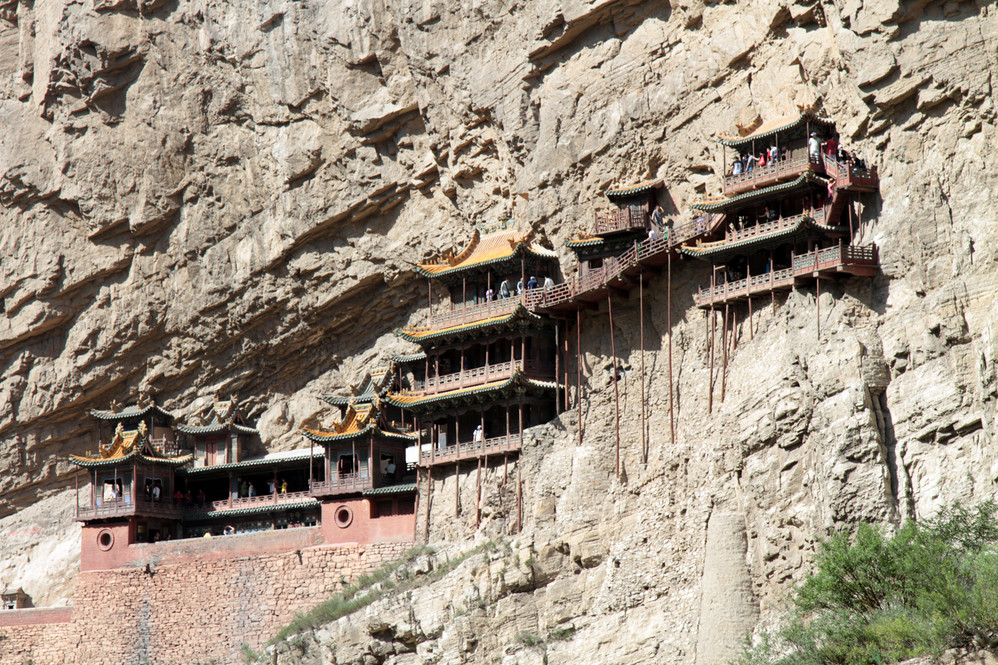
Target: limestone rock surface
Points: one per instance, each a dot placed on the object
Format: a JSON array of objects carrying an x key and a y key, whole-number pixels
[{"x": 202, "y": 197}]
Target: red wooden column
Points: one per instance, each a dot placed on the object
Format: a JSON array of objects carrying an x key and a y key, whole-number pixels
[
  {"x": 710, "y": 382},
  {"x": 565, "y": 365},
  {"x": 415, "y": 510},
  {"x": 429, "y": 495},
  {"x": 616, "y": 388},
  {"x": 557, "y": 363},
  {"x": 578, "y": 369},
  {"x": 641, "y": 325},
  {"x": 668, "y": 324}
]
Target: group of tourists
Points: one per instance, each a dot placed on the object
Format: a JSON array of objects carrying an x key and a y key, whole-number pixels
[
  {"x": 505, "y": 291},
  {"x": 749, "y": 161},
  {"x": 830, "y": 147}
]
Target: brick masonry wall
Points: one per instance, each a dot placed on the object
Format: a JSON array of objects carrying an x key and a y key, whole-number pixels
[{"x": 191, "y": 610}]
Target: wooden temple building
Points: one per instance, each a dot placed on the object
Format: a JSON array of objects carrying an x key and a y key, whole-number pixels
[
  {"x": 362, "y": 479},
  {"x": 130, "y": 501},
  {"x": 788, "y": 222},
  {"x": 198, "y": 478},
  {"x": 488, "y": 366}
]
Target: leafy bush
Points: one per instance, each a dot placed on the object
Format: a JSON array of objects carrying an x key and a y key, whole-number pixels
[{"x": 875, "y": 599}]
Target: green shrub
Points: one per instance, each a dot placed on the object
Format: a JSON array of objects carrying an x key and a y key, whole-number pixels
[{"x": 875, "y": 599}]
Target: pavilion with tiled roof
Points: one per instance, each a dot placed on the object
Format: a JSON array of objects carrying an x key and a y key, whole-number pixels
[
  {"x": 360, "y": 451},
  {"x": 786, "y": 213},
  {"x": 617, "y": 229},
  {"x": 495, "y": 249},
  {"x": 131, "y": 482},
  {"x": 219, "y": 434},
  {"x": 158, "y": 421}
]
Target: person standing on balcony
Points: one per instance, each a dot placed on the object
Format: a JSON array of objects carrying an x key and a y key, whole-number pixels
[
  {"x": 489, "y": 294},
  {"x": 814, "y": 147},
  {"x": 831, "y": 147},
  {"x": 548, "y": 283},
  {"x": 656, "y": 217},
  {"x": 519, "y": 287},
  {"x": 479, "y": 435},
  {"x": 736, "y": 168},
  {"x": 532, "y": 283},
  {"x": 504, "y": 289},
  {"x": 749, "y": 163}
]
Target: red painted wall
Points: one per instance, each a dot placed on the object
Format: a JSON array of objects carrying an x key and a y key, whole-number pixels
[
  {"x": 362, "y": 527},
  {"x": 35, "y": 616},
  {"x": 93, "y": 557},
  {"x": 123, "y": 555}
]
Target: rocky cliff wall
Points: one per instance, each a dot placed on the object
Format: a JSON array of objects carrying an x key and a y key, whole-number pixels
[{"x": 197, "y": 196}]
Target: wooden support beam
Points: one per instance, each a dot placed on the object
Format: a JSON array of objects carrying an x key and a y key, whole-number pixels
[
  {"x": 578, "y": 370},
  {"x": 429, "y": 495},
  {"x": 641, "y": 326},
  {"x": 616, "y": 387},
  {"x": 724, "y": 344},
  {"x": 668, "y": 324}
]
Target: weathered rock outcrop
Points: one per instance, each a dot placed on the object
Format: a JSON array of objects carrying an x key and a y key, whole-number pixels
[{"x": 204, "y": 197}]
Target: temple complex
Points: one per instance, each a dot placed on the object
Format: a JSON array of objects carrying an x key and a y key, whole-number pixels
[{"x": 199, "y": 479}]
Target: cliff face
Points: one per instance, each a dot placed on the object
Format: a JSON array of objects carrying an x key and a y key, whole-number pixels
[{"x": 203, "y": 197}]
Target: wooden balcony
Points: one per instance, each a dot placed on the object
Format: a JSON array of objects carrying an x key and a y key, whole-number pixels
[
  {"x": 275, "y": 499},
  {"x": 345, "y": 483},
  {"x": 762, "y": 230},
  {"x": 619, "y": 221},
  {"x": 125, "y": 508},
  {"x": 481, "y": 375},
  {"x": 847, "y": 259},
  {"x": 472, "y": 313},
  {"x": 852, "y": 177},
  {"x": 772, "y": 174},
  {"x": 467, "y": 450}
]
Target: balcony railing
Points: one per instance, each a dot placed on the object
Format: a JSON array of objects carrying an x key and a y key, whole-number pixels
[
  {"x": 471, "y": 313},
  {"x": 849, "y": 175},
  {"x": 277, "y": 498},
  {"x": 762, "y": 176},
  {"x": 762, "y": 229},
  {"x": 482, "y": 375},
  {"x": 802, "y": 265},
  {"x": 617, "y": 221},
  {"x": 472, "y": 449},
  {"x": 124, "y": 507},
  {"x": 342, "y": 483}
]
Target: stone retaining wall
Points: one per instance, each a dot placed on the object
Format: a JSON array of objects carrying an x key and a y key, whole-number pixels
[{"x": 189, "y": 610}]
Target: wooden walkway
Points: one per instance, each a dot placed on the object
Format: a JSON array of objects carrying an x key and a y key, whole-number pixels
[
  {"x": 619, "y": 272},
  {"x": 467, "y": 450},
  {"x": 840, "y": 259}
]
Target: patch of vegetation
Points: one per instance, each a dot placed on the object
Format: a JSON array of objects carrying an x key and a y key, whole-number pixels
[
  {"x": 875, "y": 599},
  {"x": 248, "y": 655},
  {"x": 373, "y": 586},
  {"x": 556, "y": 634}
]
